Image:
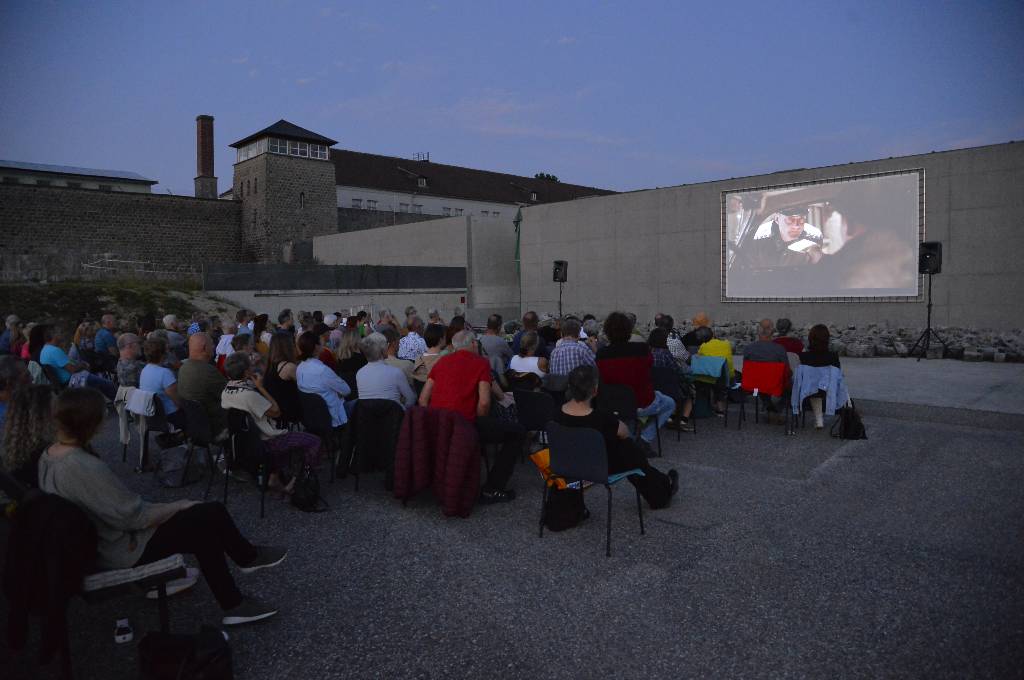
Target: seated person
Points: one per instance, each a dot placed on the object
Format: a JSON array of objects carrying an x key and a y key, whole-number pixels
[
  {"x": 280, "y": 377},
  {"x": 673, "y": 341},
  {"x": 245, "y": 392},
  {"x": 765, "y": 349},
  {"x": 323, "y": 334},
  {"x": 28, "y": 429},
  {"x": 783, "y": 328},
  {"x": 199, "y": 380},
  {"x": 161, "y": 381},
  {"x": 413, "y": 344},
  {"x": 245, "y": 342},
  {"x": 655, "y": 486},
  {"x": 527, "y": 361},
  {"x": 131, "y": 531},
  {"x": 52, "y": 355},
  {"x": 570, "y": 351},
  {"x": 628, "y": 363},
  {"x": 690, "y": 339},
  {"x": 129, "y": 363},
  {"x": 348, "y": 357},
  {"x": 13, "y": 375},
  {"x": 377, "y": 380},
  {"x": 819, "y": 353},
  {"x": 494, "y": 345},
  {"x": 658, "y": 341},
  {"x": 434, "y": 336},
  {"x": 170, "y": 360},
  {"x": 392, "y": 353},
  {"x": 314, "y": 377},
  {"x": 710, "y": 346},
  {"x": 461, "y": 382}
]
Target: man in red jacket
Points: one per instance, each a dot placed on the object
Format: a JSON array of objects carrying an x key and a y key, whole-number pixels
[{"x": 461, "y": 382}]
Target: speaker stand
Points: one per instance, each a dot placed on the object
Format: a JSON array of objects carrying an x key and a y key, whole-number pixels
[
  {"x": 925, "y": 339},
  {"x": 560, "y": 284}
]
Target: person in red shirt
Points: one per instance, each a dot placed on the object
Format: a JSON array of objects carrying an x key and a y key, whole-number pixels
[
  {"x": 461, "y": 382},
  {"x": 783, "y": 327}
]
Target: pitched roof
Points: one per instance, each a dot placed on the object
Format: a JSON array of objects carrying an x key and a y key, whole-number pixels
[
  {"x": 285, "y": 130},
  {"x": 389, "y": 173},
  {"x": 122, "y": 175}
]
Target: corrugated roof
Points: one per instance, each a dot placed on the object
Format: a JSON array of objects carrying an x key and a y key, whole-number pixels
[
  {"x": 71, "y": 170},
  {"x": 285, "y": 130},
  {"x": 389, "y": 173}
]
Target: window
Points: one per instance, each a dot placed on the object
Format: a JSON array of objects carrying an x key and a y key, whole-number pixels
[
  {"x": 533, "y": 195},
  {"x": 278, "y": 146},
  {"x": 248, "y": 188},
  {"x": 255, "y": 185},
  {"x": 458, "y": 211},
  {"x": 417, "y": 208},
  {"x": 302, "y": 199},
  {"x": 421, "y": 182},
  {"x": 484, "y": 213},
  {"x": 403, "y": 207},
  {"x": 446, "y": 211},
  {"x": 304, "y": 149},
  {"x": 371, "y": 204},
  {"x": 318, "y": 151},
  {"x": 357, "y": 203}
]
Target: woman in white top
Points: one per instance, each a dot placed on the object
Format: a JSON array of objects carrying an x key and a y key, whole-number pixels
[
  {"x": 527, "y": 361},
  {"x": 315, "y": 377}
]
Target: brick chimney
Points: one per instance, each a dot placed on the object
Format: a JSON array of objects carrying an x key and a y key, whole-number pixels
[{"x": 206, "y": 182}]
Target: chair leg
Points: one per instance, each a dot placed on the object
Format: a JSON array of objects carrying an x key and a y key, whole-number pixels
[
  {"x": 262, "y": 480},
  {"x": 543, "y": 507},
  {"x": 639, "y": 510},
  {"x": 165, "y": 617},
  {"x": 608, "y": 533}
]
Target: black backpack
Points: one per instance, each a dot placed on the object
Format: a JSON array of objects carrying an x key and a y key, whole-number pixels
[
  {"x": 564, "y": 509},
  {"x": 306, "y": 493},
  {"x": 202, "y": 656},
  {"x": 849, "y": 424}
]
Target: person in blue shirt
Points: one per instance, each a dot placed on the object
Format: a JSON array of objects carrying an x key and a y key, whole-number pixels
[
  {"x": 105, "y": 343},
  {"x": 52, "y": 355},
  {"x": 161, "y": 381}
]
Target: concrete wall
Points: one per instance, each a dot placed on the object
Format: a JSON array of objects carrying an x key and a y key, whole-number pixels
[
  {"x": 50, "y": 233},
  {"x": 660, "y": 250}
]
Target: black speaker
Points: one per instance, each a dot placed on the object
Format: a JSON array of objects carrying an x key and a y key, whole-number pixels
[
  {"x": 929, "y": 257},
  {"x": 561, "y": 271}
]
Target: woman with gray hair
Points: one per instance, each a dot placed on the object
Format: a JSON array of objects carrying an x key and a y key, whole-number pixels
[
  {"x": 378, "y": 380},
  {"x": 245, "y": 392}
]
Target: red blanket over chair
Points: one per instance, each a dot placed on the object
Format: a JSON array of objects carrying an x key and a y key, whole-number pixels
[{"x": 767, "y": 377}]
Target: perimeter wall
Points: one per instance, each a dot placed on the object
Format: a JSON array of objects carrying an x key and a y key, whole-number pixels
[{"x": 660, "y": 249}]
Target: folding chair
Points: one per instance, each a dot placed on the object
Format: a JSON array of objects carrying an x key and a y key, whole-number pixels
[
  {"x": 711, "y": 373},
  {"x": 620, "y": 400},
  {"x": 246, "y": 443},
  {"x": 316, "y": 418},
  {"x": 198, "y": 435},
  {"x": 147, "y": 425},
  {"x": 763, "y": 378},
  {"x": 578, "y": 454},
  {"x": 375, "y": 426},
  {"x": 533, "y": 411}
]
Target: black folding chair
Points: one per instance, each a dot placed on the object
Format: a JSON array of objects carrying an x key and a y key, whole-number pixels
[
  {"x": 246, "y": 446},
  {"x": 578, "y": 454},
  {"x": 316, "y": 418},
  {"x": 374, "y": 430},
  {"x": 198, "y": 435}
]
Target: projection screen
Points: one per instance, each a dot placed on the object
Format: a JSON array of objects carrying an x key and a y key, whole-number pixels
[{"x": 842, "y": 239}]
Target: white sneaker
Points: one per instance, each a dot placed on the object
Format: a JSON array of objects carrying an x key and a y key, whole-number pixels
[
  {"x": 250, "y": 610},
  {"x": 177, "y": 585}
]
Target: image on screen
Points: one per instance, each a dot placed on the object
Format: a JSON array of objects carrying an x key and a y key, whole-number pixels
[{"x": 844, "y": 238}]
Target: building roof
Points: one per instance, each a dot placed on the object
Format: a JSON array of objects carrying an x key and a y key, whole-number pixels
[
  {"x": 120, "y": 175},
  {"x": 389, "y": 173},
  {"x": 285, "y": 130}
]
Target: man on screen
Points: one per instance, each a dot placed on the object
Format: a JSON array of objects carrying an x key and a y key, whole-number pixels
[{"x": 786, "y": 240}]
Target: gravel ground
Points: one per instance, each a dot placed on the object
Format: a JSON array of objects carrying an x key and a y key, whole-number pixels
[{"x": 805, "y": 556}]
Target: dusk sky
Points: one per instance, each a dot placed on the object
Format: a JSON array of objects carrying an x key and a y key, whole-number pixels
[{"x": 620, "y": 95}]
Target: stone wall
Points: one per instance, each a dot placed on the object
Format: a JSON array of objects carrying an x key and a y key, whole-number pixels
[{"x": 53, "y": 233}]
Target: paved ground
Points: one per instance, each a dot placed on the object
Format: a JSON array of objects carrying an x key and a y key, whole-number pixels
[{"x": 899, "y": 556}]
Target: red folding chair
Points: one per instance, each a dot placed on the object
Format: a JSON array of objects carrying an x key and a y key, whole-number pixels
[{"x": 763, "y": 378}]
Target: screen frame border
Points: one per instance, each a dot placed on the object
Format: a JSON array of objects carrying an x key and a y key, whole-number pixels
[{"x": 919, "y": 297}]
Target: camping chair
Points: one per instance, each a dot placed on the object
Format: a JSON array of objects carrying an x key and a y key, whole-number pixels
[
  {"x": 375, "y": 426},
  {"x": 763, "y": 378},
  {"x": 666, "y": 381},
  {"x": 316, "y": 418},
  {"x": 620, "y": 400},
  {"x": 247, "y": 445},
  {"x": 198, "y": 434},
  {"x": 578, "y": 454}
]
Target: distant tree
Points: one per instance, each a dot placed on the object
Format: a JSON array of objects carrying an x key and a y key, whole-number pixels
[{"x": 545, "y": 175}]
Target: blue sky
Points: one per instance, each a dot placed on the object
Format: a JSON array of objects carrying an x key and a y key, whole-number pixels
[{"x": 622, "y": 95}]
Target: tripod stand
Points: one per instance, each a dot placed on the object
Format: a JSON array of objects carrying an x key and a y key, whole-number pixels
[
  {"x": 560, "y": 284},
  {"x": 925, "y": 339}
]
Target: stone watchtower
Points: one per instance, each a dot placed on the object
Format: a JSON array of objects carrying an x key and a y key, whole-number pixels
[{"x": 284, "y": 179}]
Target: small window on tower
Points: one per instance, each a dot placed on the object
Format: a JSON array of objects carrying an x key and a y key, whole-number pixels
[
  {"x": 256, "y": 185},
  {"x": 302, "y": 199},
  {"x": 533, "y": 195},
  {"x": 248, "y": 187},
  {"x": 421, "y": 182}
]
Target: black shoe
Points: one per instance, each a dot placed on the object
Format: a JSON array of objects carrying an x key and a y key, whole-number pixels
[
  {"x": 673, "y": 475},
  {"x": 488, "y": 496},
  {"x": 684, "y": 425}
]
